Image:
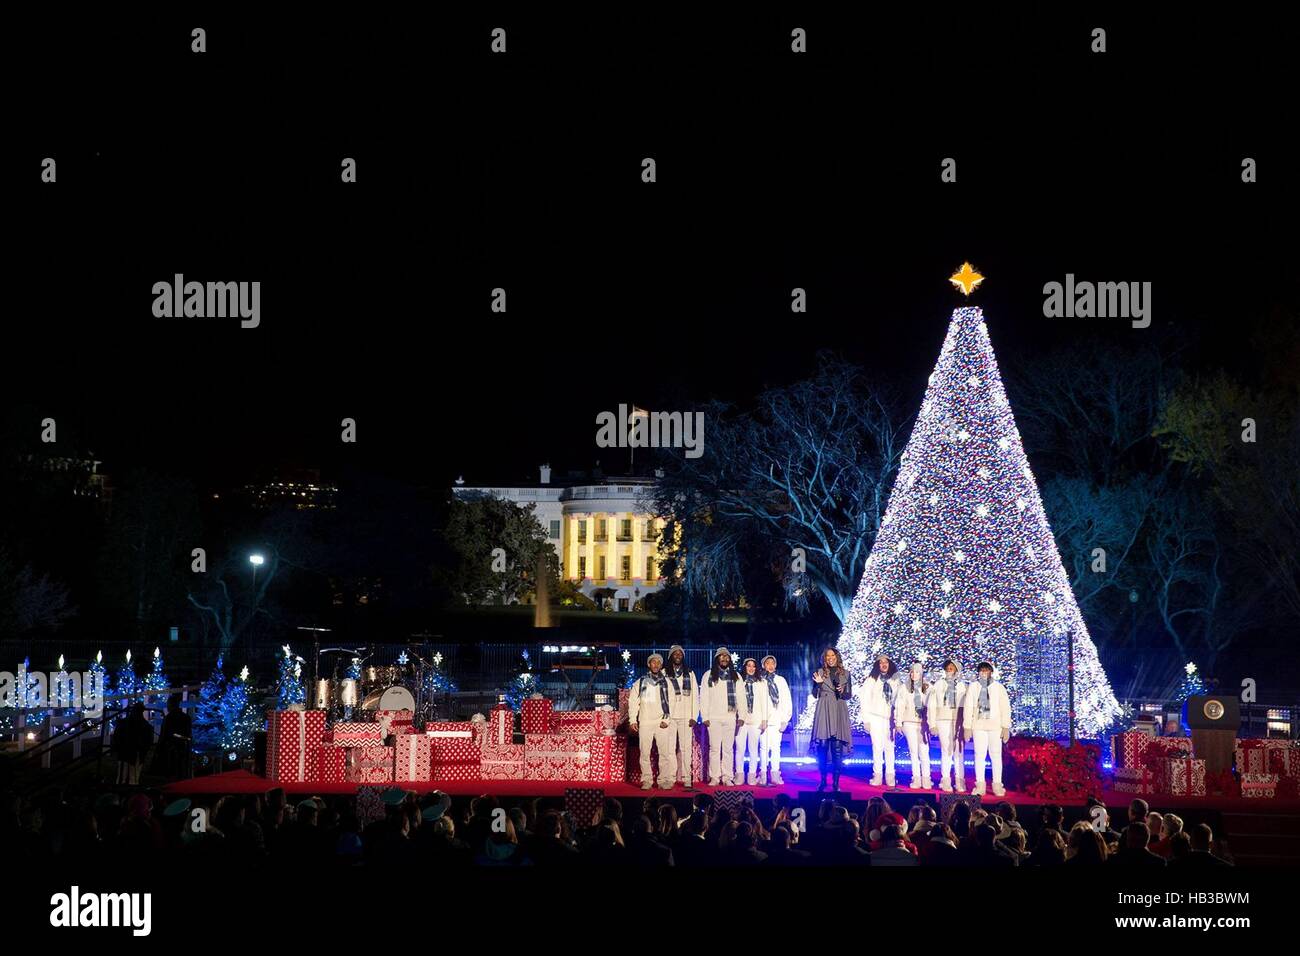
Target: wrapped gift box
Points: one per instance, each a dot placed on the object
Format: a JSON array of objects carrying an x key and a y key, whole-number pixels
[
  {"x": 455, "y": 750},
  {"x": 350, "y": 733},
  {"x": 293, "y": 740},
  {"x": 606, "y": 720},
  {"x": 414, "y": 757},
  {"x": 370, "y": 774},
  {"x": 536, "y": 714},
  {"x": 557, "y": 756},
  {"x": 1184, "y": 777},
  {"x": 501, "y": 725},
  {"x": 624, "y": 695},
  {"x": 331, "y": 763},
  {"x": 1258, "y": 755},
  {"x": 395, "y": 722},
  {"x": 1138, "y": 780},
  {"x": 1259, "y": 785},
  {"x": 502, "y": 761},
  {"x": 461, "y": 772},
  {"x": 583, "y": 804},
  {"x": 370, "y": 755},
  {"x": 1133, "y": 748},
  {"x": 450, "y": 730},
  {"x": 575, "y": 722}
]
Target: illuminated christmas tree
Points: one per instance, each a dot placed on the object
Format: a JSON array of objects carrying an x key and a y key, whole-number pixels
[
  {"x": 965, "y": 565},
  {"x": 156, "y": 679},
  {"x": 208, "y": 727},
  {"x": 1192, "y": 683}
]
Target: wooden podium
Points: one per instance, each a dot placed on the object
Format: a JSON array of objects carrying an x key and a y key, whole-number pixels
[{"x": 1214, "y": 720}]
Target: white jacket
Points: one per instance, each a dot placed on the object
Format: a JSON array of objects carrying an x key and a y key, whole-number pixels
[
  {"x": 999, "y": 708},
  {"x": 783, "y": 709},
  {"x": 713, "y": 700},
  {"x": 686, "y": 705},
  {"x": 873, "y": 697},
  {"x": 905, "y": 704},
  {"x": 644, "y": 701},
  {"x": 762, "y": 711},
  {"x": 939, "y": 694}
]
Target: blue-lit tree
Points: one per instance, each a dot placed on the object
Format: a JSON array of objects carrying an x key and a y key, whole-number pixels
[
  {"x": 289, "y": 689},
  {"x": 436, "y": 679},
  {"x": 126, "y": 682},
  {"x": 239, "y": 717},
  {"x": 1192, "y": 683},
  {"x": 524, "y": 684},
  {"x": 965, "y": 564},
  {"x": 208, "y": 726},
  {"x": 156, "y": 679}
]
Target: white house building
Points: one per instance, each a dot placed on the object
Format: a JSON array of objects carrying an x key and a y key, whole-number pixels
[{"x": 600, "y": 528}]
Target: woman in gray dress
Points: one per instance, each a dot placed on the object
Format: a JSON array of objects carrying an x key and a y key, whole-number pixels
[{"x": 832, "y": 734}]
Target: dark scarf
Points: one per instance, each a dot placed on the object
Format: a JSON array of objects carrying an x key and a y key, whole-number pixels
[
  {"x": 663, "y": 688},
  {"x": 950, "y": 697},
  {"x": 684, "y": 677},
  {"x": 887, "y": 688},
  {"x": 729, "y": 675},
  {"x": 773, "y": 691},
  {"x": 749, "y": 691},
  {"x": 918, "y": 702},
  {"x": 985, "y": 709}
]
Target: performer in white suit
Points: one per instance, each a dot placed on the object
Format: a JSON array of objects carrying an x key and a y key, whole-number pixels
[
  {"x": 719, "y": 709},
  {"x": 755, "y": 707},
  {"x": 878, "y": 694},
  {"x": 910, "y": 717},
  {"x": 684, "y": 702},
  {"x": 988, "y": 723},
  {"x": 778, "y": 693},
  {"x": 947, "y": 698},
  {"x": 649, "y": 715}
]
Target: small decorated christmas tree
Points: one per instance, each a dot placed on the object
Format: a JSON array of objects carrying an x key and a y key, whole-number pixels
[
  {"x": 1192, "y": 683},
  {"x": 126, "y": 682},
  {"x": 239, "y": 718},
  {"x": 207, "y": 714},
  {"x": 156, "y": 679},
  {"x": 436, "y": 679},
  {"x": 629, "y": 669},
  {"x": 524, "y": 684}
]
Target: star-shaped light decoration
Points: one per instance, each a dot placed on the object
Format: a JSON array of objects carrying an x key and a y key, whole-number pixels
[
  {"x": 243, "y": 674},
  {"x": 437, "y": 658},
  {"x": 966, "y": 278},
  {"x": 1190, "y": 668}
]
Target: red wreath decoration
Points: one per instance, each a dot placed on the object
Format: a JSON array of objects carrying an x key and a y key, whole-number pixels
[{"x": 1047, "y": 770}]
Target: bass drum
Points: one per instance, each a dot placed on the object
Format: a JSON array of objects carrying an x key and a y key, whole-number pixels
[{"x": 393, "y": 698}]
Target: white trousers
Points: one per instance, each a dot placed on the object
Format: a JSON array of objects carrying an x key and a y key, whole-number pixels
[
  {"x": 919, "y": 748},
  {"x": 950, "y": 754},
  {"x": 882, "y": 749},
  {"x": 722, "y": 748},
  {"x": 666, "y": 739},
  {"x": 685, "y": 740},
  {"x": 749, "y": 740},
  {"x": 988, "y": 742},
  {"x": 771, "y": 753}
]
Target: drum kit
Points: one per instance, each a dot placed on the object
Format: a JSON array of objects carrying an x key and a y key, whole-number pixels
[{"x": 356, "y": 686}]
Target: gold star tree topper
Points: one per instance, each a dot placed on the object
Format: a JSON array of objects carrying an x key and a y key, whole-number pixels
[{"x": 966, "y": 278}]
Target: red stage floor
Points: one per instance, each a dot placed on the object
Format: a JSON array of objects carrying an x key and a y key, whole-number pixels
[{"x": 797, "y": 779}]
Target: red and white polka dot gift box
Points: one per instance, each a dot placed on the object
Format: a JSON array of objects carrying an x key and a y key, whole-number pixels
[
  {"x": 293, "y": 739},
  {"x": 414, "y": 757},
  {"x": 331, "y": 763}
]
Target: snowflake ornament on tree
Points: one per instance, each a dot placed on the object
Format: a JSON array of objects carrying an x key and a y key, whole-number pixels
[{"x": 965, "y": 565}]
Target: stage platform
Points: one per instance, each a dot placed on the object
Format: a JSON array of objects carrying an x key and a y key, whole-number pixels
[{"x": 798, "y": 779}]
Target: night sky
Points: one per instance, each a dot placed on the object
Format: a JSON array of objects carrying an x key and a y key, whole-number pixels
[{"x": 774, "y": 172}]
